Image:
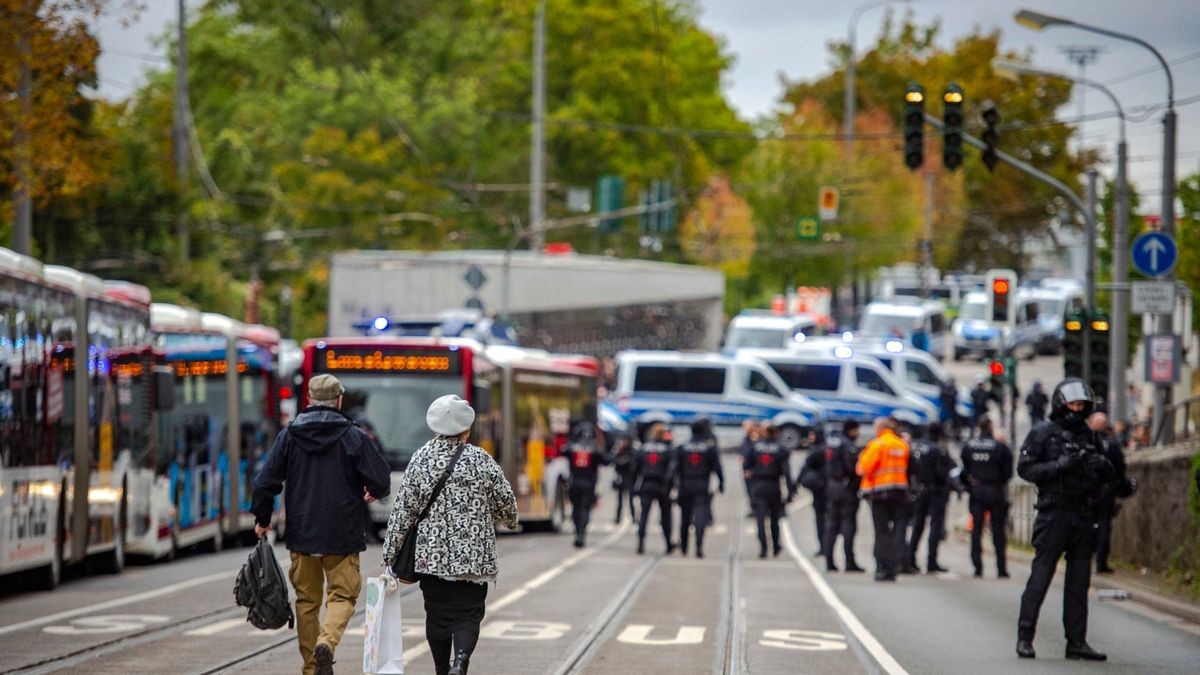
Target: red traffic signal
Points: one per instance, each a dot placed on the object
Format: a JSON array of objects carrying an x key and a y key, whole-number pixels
[
  {"x": 996, "y": 368},
  {"x": 1000, "y": 286}
]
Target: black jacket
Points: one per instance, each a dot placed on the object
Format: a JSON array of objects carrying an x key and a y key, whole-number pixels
[
  {"x": 585, "y": 460},
  {"x": 766, "y": 464},
  {"x": 326, "y": 462},
  {"x": 1068, "y": 466},
  {"x": 654, "y": 468},
  {"x": 930, "y": 466},
  {"x": 841, "y": 480},
  {"x": 695, "y": 462}
]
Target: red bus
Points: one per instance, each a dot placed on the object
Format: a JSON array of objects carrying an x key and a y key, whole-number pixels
[{"x": 525, "y": 402}]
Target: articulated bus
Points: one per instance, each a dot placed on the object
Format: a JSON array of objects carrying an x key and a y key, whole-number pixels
[
  {"x": 222, "y": 417},
  {"x": 524, "y": 400},
  {"x": 75, "y": 416}
]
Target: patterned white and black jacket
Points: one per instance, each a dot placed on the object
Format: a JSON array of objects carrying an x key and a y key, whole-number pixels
[{"x": 457, "y": 540}]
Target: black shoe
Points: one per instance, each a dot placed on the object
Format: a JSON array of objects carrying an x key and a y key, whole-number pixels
[
  {"x": 670, "y": 548},
  {"x": 910, "y": 569},
  {"x": 683, "y": 550},
  {"x": 1002, "y": 574},
  {"x": 641, "y": 546},
  {"x": 699, "y": 553},
  {"x": 1025, "y": 649},
  {"x": 978, "y": 574},
  {"x": 323, "y": 657},
  {"x": 934, "y": 568},
  {"x": 762, "y": 555},
  {"x": 778, "y": 550},
  {"x": 578, "y": 542},
  {"x": 853, "y": 567},
  {"x": 1103, "y": 569},
  {"x": 818, "y": 554},
  {"x": 1083, "y": 651},
  {"x": 830, "y": 567},
  {"x": 885, "y": 576},
  {"x": 459, "y": 667}
]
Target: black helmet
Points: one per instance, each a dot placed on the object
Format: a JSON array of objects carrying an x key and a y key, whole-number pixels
[
  {"x": 585, "y": 431},
  {"x": 1071, "y": 390},
  {"x": 702, "y": 428}
]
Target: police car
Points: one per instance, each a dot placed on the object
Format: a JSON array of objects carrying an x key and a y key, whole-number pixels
[
  {"x": 679, "y": 387},
  {"x": 974, "y": 334},
  {"x": 847, "y": 386},
  {"x": 899, "y": 319},
  {"x": 764, "y": 329}
]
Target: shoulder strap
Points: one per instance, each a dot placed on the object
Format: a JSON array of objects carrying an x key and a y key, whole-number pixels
[{"x": 437, "y": 488}]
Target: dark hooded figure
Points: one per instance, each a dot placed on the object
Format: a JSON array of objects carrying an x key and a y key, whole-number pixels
[
  {"x": 585, "y": 456},
  {"x": 623, "y": 459},
  {"x": 1066, "y": 460},
  {"x": 1036, "y": 401},
  {"x": 695, "y": 463}
]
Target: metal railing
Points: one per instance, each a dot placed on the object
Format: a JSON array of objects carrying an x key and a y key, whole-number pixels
[{"x": 1182, "y": 418}]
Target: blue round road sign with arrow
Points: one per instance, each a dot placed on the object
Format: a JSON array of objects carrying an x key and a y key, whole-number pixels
[{"x": 1154, "y": 254}]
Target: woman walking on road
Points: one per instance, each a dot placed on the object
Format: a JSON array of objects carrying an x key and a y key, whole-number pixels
[{"x": 456, "y": 542}]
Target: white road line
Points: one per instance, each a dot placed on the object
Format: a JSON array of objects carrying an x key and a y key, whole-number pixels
[
  {"x": 216, "y": 627},
  {"x": 532, "y": 585},
  {"x": 864, "y": 636},
  {"x": 118, "y": 602}
]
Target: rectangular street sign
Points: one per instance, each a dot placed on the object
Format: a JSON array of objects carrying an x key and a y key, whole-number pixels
[
  {"x": 828, "y": 204},
  {"x": 808, "y": 228},
  {"x": 1152, "y": 297},
  {"x": 1162, "y": 359}
]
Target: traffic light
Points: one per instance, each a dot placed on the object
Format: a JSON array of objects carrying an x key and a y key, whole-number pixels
[
  {"x": 997, "y": 379},
  {"x": 952, "y": 122},
  {"x": 1073, "y": 337},
  {"x": 1098, "y": 354},
  {"x": 1001, "y": 284},
  {"x": 914, "y": 126},
  {"x": 991, "y": 137}
]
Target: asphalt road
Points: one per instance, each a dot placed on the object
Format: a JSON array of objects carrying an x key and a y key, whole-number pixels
[{"x": 605, "y": 609}]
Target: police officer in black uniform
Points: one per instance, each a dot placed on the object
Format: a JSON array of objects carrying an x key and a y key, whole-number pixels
[
  {"x": 841, "y": 494},
  {"x": 764, "y": 466},
  {"x": 812, "y": 478},
  {"x": 654, "y": 475},
  {"x": 987, "y": 468},
  {"x": 623, "y": 461},
  {"x": 1066, "y": 460},
  {"x": 931, "y": 467},
  {"x": 696, "y": 461},
  {"x": 584, "y": 457},
  {"x": 1119, "y": 486}
]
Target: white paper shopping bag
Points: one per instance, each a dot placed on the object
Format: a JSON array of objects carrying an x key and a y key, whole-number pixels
[{"x": 383, "y": 648}]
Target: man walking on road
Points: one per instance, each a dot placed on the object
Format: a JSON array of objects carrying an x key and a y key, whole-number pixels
[
  {"x": 883, "y": 466},
  {"x": 763, "y": 468},
  {"x": 932, "y": 466},
  {"x": 332, "y": 469},
  {"x": 987, "y": 468},
  {"x": 1066, "y": 460}
]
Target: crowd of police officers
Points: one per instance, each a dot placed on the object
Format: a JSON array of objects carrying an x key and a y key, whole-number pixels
[{"x": 907, "y": 475}]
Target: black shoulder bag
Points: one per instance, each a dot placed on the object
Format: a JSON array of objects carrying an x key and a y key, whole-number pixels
[{"x": 405, "y": 566}]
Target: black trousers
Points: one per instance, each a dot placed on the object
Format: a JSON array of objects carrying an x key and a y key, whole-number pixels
[
  {"x": 1105, "y": 512},
  {"x": 693, "y": 512},
  {"x": 889, "y": 510},
  {"x": 767, "y": 502},
  {"x": 841, "y": 517},
  {"x": 663, "y": 499},
  {"x": 583, "y": 497},
  {"x": 1056, "y": 534},
  {"x": 819, "y": 512},
  {"x": 990, "y": 501},
  {"x": 453, "y": 612},
  {"x": 929, "y": 506},
  {"x": 624, "y": 493}
]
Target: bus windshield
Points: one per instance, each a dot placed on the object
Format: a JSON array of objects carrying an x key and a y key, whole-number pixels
[{"x": 393, "y": 408}]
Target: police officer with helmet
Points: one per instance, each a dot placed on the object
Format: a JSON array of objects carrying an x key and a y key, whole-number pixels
[
  {"x": 1066, "y": 460},
  {"x": 841, "y": 494},
  {"x": 987, "y": 468},
  {"x": 764, "y": 466},
  {"x": 696, "y": 461},
  {"x": 930, "y": 477},
  {"x": 584, "y": 457},
  {"x": 654, "y": 476}
]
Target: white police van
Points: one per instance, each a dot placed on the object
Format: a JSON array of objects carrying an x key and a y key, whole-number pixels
[
  {"x": 679, "y": 387},
  {"x": 764, "y": 329},
  {"x": 899, "y": 320},
  {"x": 847, "y": 386},
  {"x": 1054, "y": 304},
  {"x": 974, "y": 334}
]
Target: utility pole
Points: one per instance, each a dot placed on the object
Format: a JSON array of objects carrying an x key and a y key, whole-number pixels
[
  {"x": 537, "y": 169},
  {"x": 1082, "y": 56},
  {"x": 1166, "y": 324},
  {"x": 22, "y": 154},
  {"x": 179, "y": 130},
  {"x": 927, "y": 243}
]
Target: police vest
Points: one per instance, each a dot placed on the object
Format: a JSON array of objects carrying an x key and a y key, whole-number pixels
[
  {"x": 656, "y": 460},
  {"x": 766, "y": 461}
]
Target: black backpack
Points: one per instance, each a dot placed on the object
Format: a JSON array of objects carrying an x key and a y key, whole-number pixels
[{"x": 261, "y": 588}]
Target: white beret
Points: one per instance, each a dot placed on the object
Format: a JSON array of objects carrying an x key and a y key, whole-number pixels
[{"x": 449, "y": 416}]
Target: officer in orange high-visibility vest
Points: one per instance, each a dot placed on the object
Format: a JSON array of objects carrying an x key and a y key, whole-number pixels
[{"x": 883, "y": 466}]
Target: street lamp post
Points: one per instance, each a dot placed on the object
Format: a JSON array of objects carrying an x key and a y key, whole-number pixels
[
  {"x": 1038, "y": 21},
  {"x": 1119, "y": 346},
  {"x": 851, "y": 73}
]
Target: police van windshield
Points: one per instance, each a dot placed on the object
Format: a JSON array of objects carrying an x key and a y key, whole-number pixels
[
  {"x": 1050, "y": 308},
  {"x": 393, "y": 409},
  {"x": 756, "y": 337},
  {"x": 973, "y": 310},
  {"x": 886, "y": 324}
]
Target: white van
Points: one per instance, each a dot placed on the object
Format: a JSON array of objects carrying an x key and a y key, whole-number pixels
[
  {"x": 679, "y": 387},
  {"x": 973, "y": 334},
  {"x": 764, "y": 329},
  {"x": 1054, "y": 304},
  {"x": 847, "y": 386},
  {"x": 899, "y": 319}
]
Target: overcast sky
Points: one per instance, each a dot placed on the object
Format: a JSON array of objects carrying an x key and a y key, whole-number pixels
[{"x": 788, "y": 37}]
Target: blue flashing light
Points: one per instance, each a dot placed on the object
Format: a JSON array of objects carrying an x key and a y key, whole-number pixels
[
  {"x": 321, "y": 344},
  {"x": 800, "y": 338},
  {"x": 894, "y": 346},
  {"x": 843, "y": 352},
  {"x": 380, "y": 323},
  {"x": 847, "y": 336}
]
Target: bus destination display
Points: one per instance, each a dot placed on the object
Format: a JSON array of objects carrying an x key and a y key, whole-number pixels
[{"x": 371, "y": 360}]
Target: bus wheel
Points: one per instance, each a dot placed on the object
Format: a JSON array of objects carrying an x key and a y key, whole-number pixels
[
  {"x": 790, "y": 437},
  {"x": 114, "y": 561}
]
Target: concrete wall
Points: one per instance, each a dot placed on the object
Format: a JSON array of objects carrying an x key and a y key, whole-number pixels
[{"x": 1155, "y": 526}]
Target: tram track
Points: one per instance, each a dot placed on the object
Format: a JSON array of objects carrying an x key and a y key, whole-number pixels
[{"x": 733, "y": 660}]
